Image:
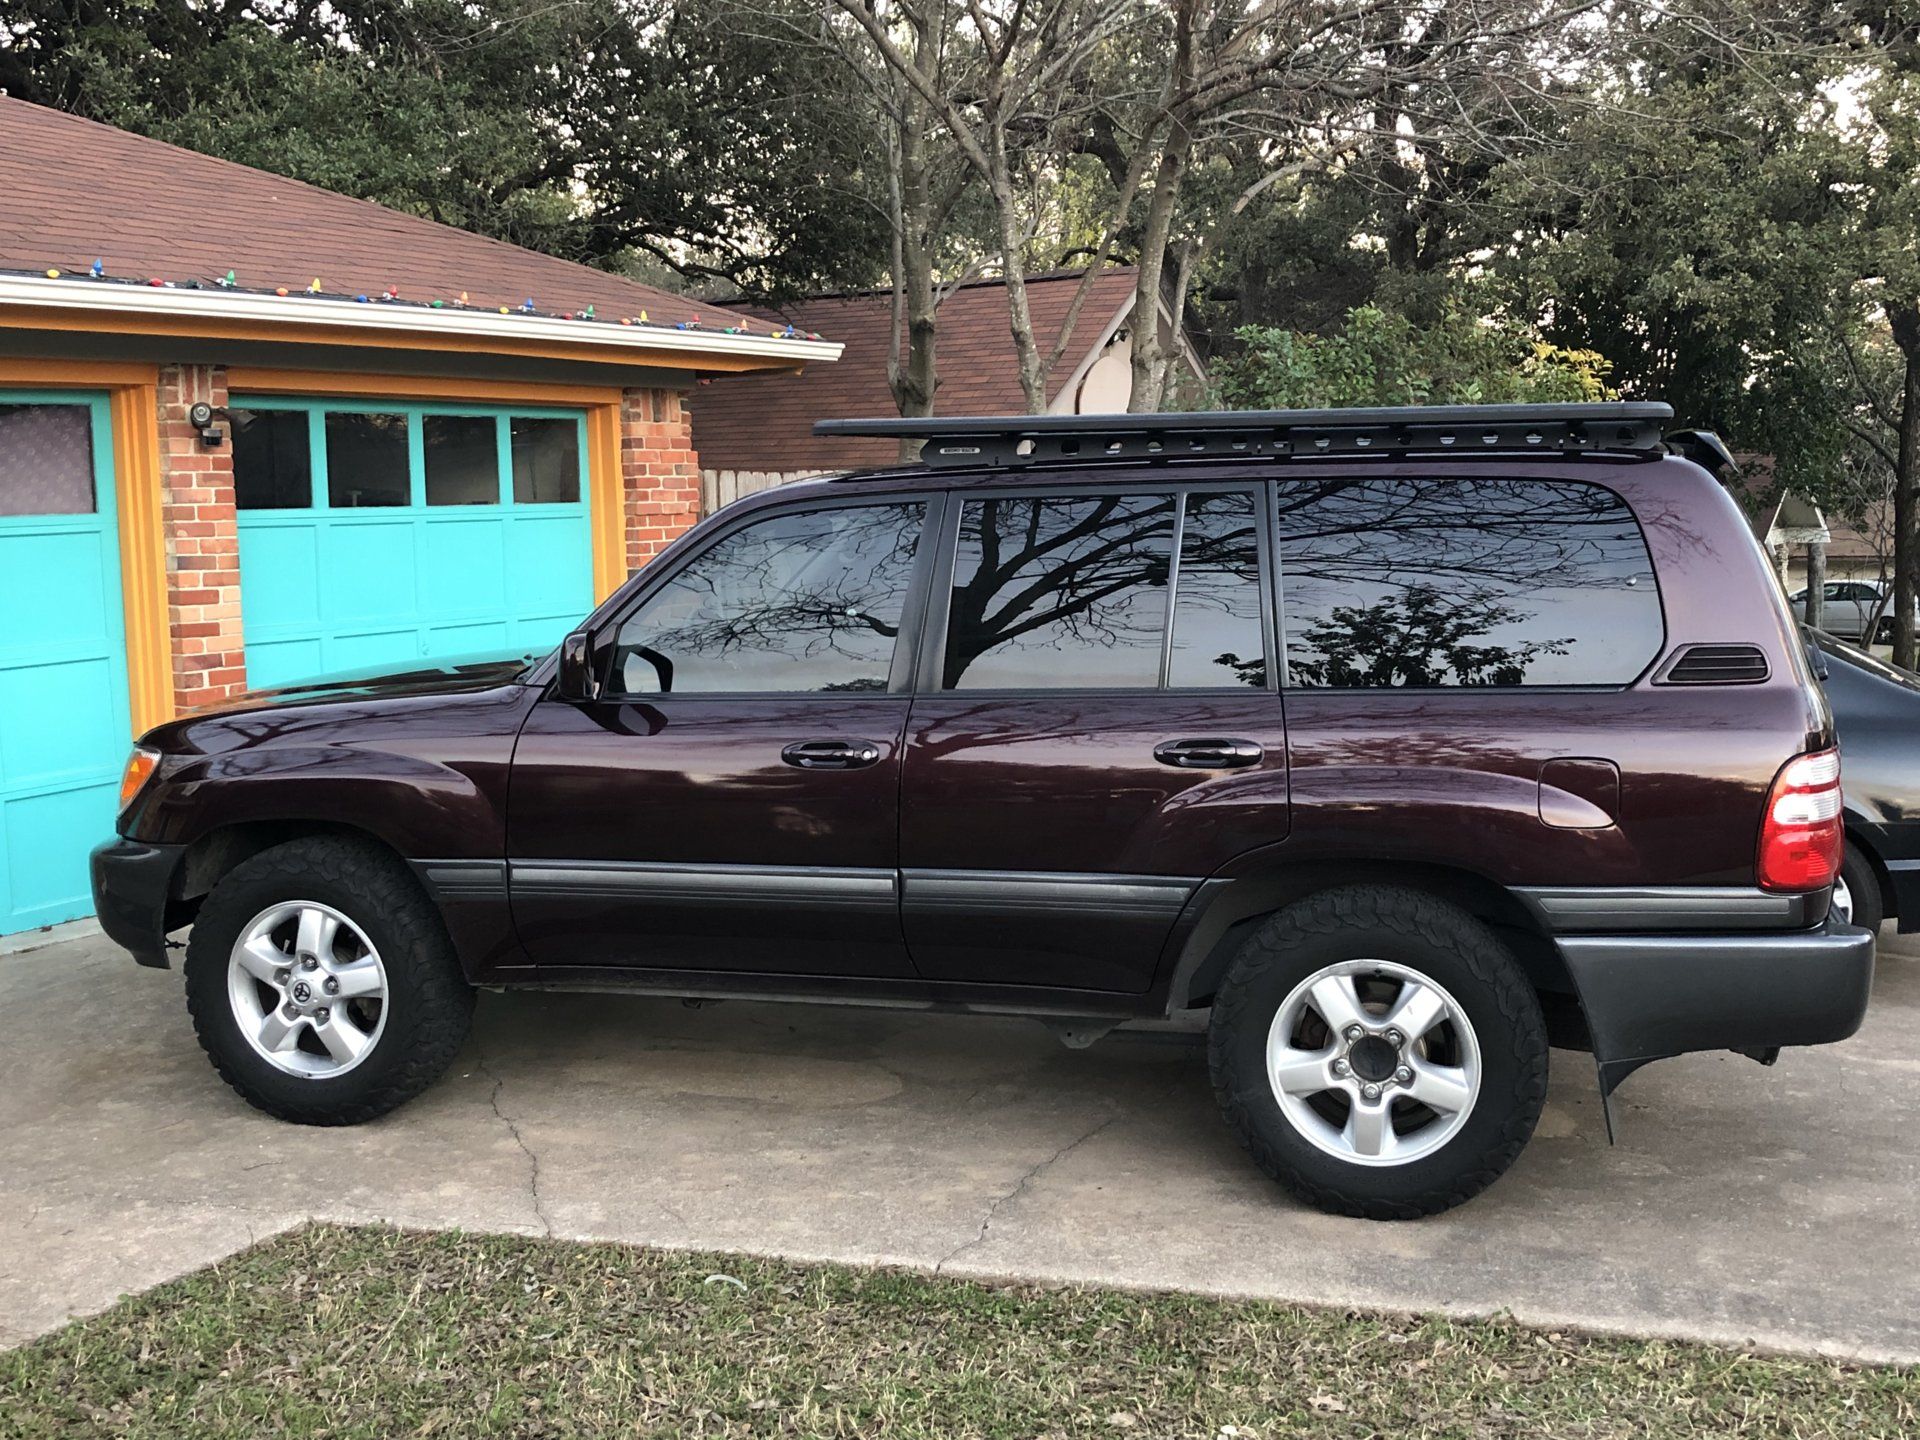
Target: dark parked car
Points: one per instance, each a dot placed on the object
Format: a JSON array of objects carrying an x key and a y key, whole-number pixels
[
  {"x": 1402, "y": 740},
  {"x": 1876, "y": 707}
]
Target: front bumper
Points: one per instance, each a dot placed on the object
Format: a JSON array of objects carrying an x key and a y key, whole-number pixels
[
  {"x": 132, "y": 891},
  {"x": 1647, "y": 997}
]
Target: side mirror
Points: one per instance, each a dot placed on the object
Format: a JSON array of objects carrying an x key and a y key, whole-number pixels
[{"x": 575, "y": 681}]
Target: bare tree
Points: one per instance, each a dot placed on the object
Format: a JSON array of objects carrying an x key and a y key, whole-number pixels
[{"x": 1005, "y": 80}]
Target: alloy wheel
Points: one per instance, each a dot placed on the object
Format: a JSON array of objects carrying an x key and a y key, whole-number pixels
[
  {"x": 1373, "y": 1062},
  {"x": 308, "y": 989}
]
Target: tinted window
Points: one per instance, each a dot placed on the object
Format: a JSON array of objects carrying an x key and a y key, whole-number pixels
[
  {"x": 546, "y": 462},
  {"x": 1217, "y": 637},
  {"x": 462, "y": 459},
  {"x": 1463, "y": 582},
  {"x": 1060, "y": 592},
  {"x": 367, "y": 460},
  {"x": 46, "y": 460},
  {"x": 806, "y": 602},
  {"x": 272, "y": 460}
]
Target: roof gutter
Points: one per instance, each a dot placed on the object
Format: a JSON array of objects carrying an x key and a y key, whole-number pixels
[{"x": 82, "y": 301}]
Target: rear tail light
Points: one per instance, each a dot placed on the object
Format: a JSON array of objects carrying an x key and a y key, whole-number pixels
[{"x": 1802, "y": 835}]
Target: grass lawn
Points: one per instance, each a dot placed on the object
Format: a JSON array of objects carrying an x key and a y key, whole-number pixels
[{"x": 334, "y": 1331}]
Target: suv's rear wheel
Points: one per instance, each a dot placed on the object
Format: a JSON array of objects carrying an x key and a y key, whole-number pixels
[
  {"x": 1856, "y": 891},
  {"x": 322, "y": 983},
  {"x": 1378, "y": 1052}
]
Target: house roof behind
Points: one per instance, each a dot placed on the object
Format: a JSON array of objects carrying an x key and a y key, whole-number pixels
[
  {"x": 75, "y": 190},
  {"x": 764, "y": 422},
  {"x": 1768, "y": 508}
]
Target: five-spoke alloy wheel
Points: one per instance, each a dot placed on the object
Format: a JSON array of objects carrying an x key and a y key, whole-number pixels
[
  {"x": 1379, "y": 1051},
  {"x": 308, "y": 989},
  {"x": 1373, "y": 1062},
  {"x": 322, "y": 982}
]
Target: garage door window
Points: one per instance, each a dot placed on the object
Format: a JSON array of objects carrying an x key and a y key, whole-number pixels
[
  {"x": 373, "y": 459},
  {"x": 546, "y": 462},
  {"x": 46, "y": 460},
  {"x": 272, "y": 460},
  {"x": 462, "y": 459},
  {"x": 367, "y": 461}
]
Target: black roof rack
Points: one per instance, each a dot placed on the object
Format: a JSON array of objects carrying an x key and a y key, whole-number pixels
[{"x": 1013, "y": 441}]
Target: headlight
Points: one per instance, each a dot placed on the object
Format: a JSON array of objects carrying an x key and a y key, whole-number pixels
[{"x": 140, "y": 767}]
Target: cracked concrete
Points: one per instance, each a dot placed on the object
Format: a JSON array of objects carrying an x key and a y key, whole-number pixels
[
  {"x": 1742, "y": 1204},
  {"x": 1019, "y": 1189},
  {"x": 533, "y": 1160}
]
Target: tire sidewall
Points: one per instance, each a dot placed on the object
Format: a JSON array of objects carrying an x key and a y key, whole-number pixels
[
  {"x": 1507, "y": 1026},
  {"x": 1863, "y": 882},
  {"x": 234, "y": 905}
]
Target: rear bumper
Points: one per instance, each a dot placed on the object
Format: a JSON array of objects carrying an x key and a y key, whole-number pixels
[
  {"x": 132, "y": 884},
  {"x": 1647, "y": 997}
]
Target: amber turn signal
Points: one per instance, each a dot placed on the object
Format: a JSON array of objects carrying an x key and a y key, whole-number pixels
[{"x": 140, "y": 768}]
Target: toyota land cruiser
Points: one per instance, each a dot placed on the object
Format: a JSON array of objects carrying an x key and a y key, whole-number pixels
[{"x": 1406, "y": 742}]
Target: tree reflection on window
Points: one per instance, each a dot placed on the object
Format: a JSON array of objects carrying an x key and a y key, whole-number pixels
[
  {"x": 1456, "y": 582},
  {"x": 1059, "y": 592},
  {"x": 797, "y": 602}
]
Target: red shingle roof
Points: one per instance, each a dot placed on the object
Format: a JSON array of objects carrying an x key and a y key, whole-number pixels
[
  {"x": 762, "y": 422},
  {"x": 73, "y": 190}
]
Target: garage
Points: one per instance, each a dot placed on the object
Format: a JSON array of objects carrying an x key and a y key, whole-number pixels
[
  {"x": 63, "y": 674},
  {"x": 289, "y": 435},
  {"x": 376, "y": 534}
]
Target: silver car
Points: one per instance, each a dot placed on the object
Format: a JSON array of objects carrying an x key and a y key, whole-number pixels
[{"x": 1847, "y": 609}]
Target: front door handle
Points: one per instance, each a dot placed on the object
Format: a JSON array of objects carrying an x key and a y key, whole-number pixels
[
  {"x": 1208, "y": 754},
  {"x": 831, "y": 754}
]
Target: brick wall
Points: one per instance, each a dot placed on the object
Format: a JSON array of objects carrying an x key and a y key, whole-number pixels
[
  {"x": 660, "y": 470},
  {"x": 203, "y": 543}
]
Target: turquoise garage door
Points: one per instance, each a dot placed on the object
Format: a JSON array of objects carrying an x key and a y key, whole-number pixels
[
  {"x": 375, "y": 534},
  {"x": 64, "y": 726}
]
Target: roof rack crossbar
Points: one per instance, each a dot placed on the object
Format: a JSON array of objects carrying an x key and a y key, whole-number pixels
[{"x": 1017, "y": 441}]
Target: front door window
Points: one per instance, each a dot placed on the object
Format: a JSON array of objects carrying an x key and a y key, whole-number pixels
[{"x": 801, "y": 602}]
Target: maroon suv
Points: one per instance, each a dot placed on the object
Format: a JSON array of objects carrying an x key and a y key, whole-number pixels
[{"x": 1406, "y": 741}]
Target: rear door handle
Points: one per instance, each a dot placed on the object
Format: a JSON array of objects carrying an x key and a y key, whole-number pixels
[
  {"x": 831, "y": 754},
  {"x": 1208, "y": 754}
]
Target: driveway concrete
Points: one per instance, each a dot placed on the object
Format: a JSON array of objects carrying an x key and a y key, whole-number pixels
[{"x": 1741, "y": 1204}]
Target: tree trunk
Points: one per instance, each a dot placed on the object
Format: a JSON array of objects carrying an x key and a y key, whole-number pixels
[
  {"x": 1816, "y": 585},
  {"x": 1149, "y": 361},
  {"x": 1906, "y": 487},
  {"x": 912, "y": 373},
  {"x": 1013, "y": 265}
]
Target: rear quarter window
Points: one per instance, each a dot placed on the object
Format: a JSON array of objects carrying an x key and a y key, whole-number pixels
[{"x": 1426, "y": 584}]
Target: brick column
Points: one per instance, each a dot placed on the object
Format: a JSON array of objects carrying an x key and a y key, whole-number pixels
[
  {"x": 660, "y": 473},
  {"x": 203, "y": 542}
]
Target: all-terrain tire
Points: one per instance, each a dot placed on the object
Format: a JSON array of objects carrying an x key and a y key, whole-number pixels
[
  {"x": 429, "y": 1005},
  {"x": 1863, "y": 886},
  {"x": 1441, "y": 942}
]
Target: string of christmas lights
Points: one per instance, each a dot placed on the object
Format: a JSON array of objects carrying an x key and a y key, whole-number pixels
[{"x": 96, "y": 273}]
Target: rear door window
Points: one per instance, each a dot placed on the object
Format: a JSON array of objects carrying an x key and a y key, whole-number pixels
[
  {"x": 1156, "y": 590},
  {"x": 1439, "y": 583}
]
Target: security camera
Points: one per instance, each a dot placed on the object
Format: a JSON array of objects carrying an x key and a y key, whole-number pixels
[{"x": 201, "y": 417}]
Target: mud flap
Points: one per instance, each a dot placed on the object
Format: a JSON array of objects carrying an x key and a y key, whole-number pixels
[{"x": 1650, "y": 997}]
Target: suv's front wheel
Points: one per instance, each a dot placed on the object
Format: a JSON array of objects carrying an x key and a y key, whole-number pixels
[
  {"x": 1378, "y": 1052},
  {"x": 322, "y": 982}
]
